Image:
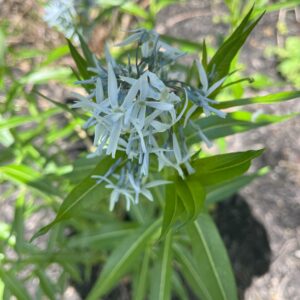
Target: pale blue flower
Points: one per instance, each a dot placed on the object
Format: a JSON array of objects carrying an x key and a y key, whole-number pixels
[
  {"x": 150, "y": 43},
  {"x": 175, "y": 158},
  {"x": 61, "y": 14},
  {"x": 137, "y": 112},
  {"x": 200, "y": 97},
  {"x": 129, "y": 186}
]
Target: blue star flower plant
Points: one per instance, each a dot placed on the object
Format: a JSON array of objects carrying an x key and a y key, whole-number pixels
[{"x": 137, "y": 110}]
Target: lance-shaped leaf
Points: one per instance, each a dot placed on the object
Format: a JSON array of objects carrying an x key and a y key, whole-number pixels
[
  {"x": 122, "y": 259},
  {"x": 81, "y": 63},
  {"x": 16, "y": 121},
  {"x": 140, "y": 286},
  {"x": 219, "y": 168},
  {"x": 161, "y": 279},
  {"x": 25, "y": 175},
  {"x": 105, "y": 237},
  {"x": 192, "y": 195},
  {"x": 226, "y": 189},
  {"x": 170, "y": 209},
  {"x": 88, "y": 55},
  {"x": 82, "y": 167},
  {"x": 268, "y": 99},
  {"x": 184, "y": 201},
  {"x": 46, "y": 284},
  {"x": 13, "y": 284},
  {"x": 220, "y": 62},
  {"x": 211, "y": 259},
  {"x": 43, "y": 75},
  {"x": 241, "y": 121},
  {"x": 179, "y": 287},
  {"x": 87, "y": 190},
  {"x": 190, "y": 272}
]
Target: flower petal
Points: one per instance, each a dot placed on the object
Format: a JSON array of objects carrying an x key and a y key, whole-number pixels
[
  {"x": 112, "y": 87},
  {"x": 160, "y": 105},
  {"x": 114, "y": 197},
  {"x": 131, "y": 95},
  {"x": 189, "y": 113},
  {"x": 155, "y": 81},
  {"x": 176, "y": 149},
  {"x": 132, "y": 38},
  {"x": 215, "y": 86},
  {"x": 114, "y": 139},
  {"x": 99, "y": 91},
  {"x": 156, "y": 183},
  {"x": 147, "y": 194}
]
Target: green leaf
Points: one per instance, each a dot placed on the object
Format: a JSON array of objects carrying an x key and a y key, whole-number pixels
[
  {"x": 82, "y": 167},
  {"x": 13, "y": 284},
  {"x": 192, "y": 195},
  {"x": 6, "y": 154},
  {"x": 204, "y": 55},
  {"x": 198, "y": 195},
  {"x": 279, "y": 5},
  {"x": 178, "y": 287},
  {"x": 215, "y": 127},
  {"x": 81, "y": 192},
  {"x": 184, "y": 201},
  {"x": 190, "y": 272},
  {"x": 61, "y": 105},
  {"x": 184, "y": 44},
  {"x": 86, "y": 51},
  {"x": 2, "y": 288},
  {"x": 22, "y": 174},
  {"x": 134, "y": 10},
  {"x": 219, "y": 168},
  {"x": 192, "y": 74},
  {"x": 221, "y": 61},
  {"x": 55, "y": 54},
  {"x": 18, "y": 222},
  {"x": 141, "y": 283},
  {"x": 46, "y": 284},
  {"x": 105, "y": 237},
  {"x": 3, "y": 49},
  {"x": 16, "y": 121},
  {"x": 81, "y": 63},
  {"x": 71, "y": 269},
  {"x": 268, "y": 99},
  {"x": 212, "y": 260},
  {"x": 224, "y": 190},
  {"x": 122, "y": 259},
  {"x": 43, "y": 75},
  {"x": 161, "y": 288},
  {"x": 170, "y": 210}
]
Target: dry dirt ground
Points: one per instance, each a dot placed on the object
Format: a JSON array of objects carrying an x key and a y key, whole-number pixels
[{"x": 261, "y": 225}]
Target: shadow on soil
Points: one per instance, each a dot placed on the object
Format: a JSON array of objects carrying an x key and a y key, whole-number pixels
[{"x": 246, "y": 240}]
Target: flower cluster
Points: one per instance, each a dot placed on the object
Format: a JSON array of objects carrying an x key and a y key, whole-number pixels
[
  {"x": 135, "y": 109},
  {"x": 64, "y": 15},
  {"x": 61, "y": 14}
]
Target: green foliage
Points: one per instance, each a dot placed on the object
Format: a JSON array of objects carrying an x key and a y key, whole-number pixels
[
  {"x": 289, "y": 57},
  {"x": 122, "y": 258},
  {"x": 221, "y": 61},
  {"x": 13, "y": 284},
  {"x": 159, "y": 247},
  {"x": 211, "y": 259}
]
